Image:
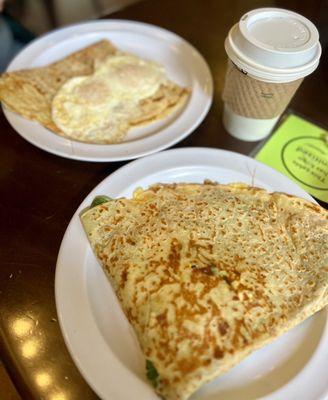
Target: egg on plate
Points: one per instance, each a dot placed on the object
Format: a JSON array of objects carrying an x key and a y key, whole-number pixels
[{"x": 101, "y": 108}]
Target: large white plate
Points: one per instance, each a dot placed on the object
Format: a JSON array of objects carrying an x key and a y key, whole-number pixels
[
  {"x": 101, "y": 340},
  {"x": 183, "y": 63}
]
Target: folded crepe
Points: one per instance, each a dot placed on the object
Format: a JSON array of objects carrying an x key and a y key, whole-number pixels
[
  {"x": 30, "y": 92},
  {"x": 208, "y": 273}
]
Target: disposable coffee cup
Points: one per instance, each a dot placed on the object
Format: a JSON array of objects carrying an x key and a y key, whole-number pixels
[{"x": 270, "y": 51}]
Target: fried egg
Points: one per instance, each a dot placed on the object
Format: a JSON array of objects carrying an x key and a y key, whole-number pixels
[{"x": 97, "y": 108}]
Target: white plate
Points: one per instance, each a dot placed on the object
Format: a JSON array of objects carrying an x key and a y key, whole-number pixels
[
  {"x": 101, "y": 340},
  {"x": 184, "y": 65}
]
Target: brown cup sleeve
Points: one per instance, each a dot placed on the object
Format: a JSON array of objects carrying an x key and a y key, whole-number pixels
[{"x": 252, "y": 98}]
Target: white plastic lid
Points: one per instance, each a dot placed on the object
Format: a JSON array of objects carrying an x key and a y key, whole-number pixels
[{"x": 274, "y": 45}]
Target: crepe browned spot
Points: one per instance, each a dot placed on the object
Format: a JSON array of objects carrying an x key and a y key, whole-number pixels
[
  {"x": 30, "y": 92},
  {"x": 208, "y": 273}
]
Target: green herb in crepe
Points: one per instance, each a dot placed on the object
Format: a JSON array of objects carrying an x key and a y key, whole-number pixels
[
  {"x": 100, "y": 200},
  {"x": 151, "y": 373}
]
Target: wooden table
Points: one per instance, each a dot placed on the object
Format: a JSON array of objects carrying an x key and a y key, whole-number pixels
[{"x": 40, "y": 192}]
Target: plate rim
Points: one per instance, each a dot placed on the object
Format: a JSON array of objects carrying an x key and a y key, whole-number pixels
[
  {"x": 115, "y": 24},
  {"x": 124, "y": 170}
]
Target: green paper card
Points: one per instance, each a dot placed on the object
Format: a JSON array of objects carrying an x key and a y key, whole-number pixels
[{"x": 299, "y": 150}]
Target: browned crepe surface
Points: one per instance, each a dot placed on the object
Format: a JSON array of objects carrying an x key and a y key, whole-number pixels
[{"x": 206, "y": 274}]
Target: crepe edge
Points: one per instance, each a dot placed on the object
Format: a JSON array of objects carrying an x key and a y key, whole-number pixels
[{"x": 217, "y": 369}]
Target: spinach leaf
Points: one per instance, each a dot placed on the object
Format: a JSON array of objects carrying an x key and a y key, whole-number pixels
[
  {"x": 151, "y": 373},
  {"x": 99, "y": 200}
]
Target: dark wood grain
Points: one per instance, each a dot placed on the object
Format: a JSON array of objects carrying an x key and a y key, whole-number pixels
[{"x": 40, "y": 192}]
